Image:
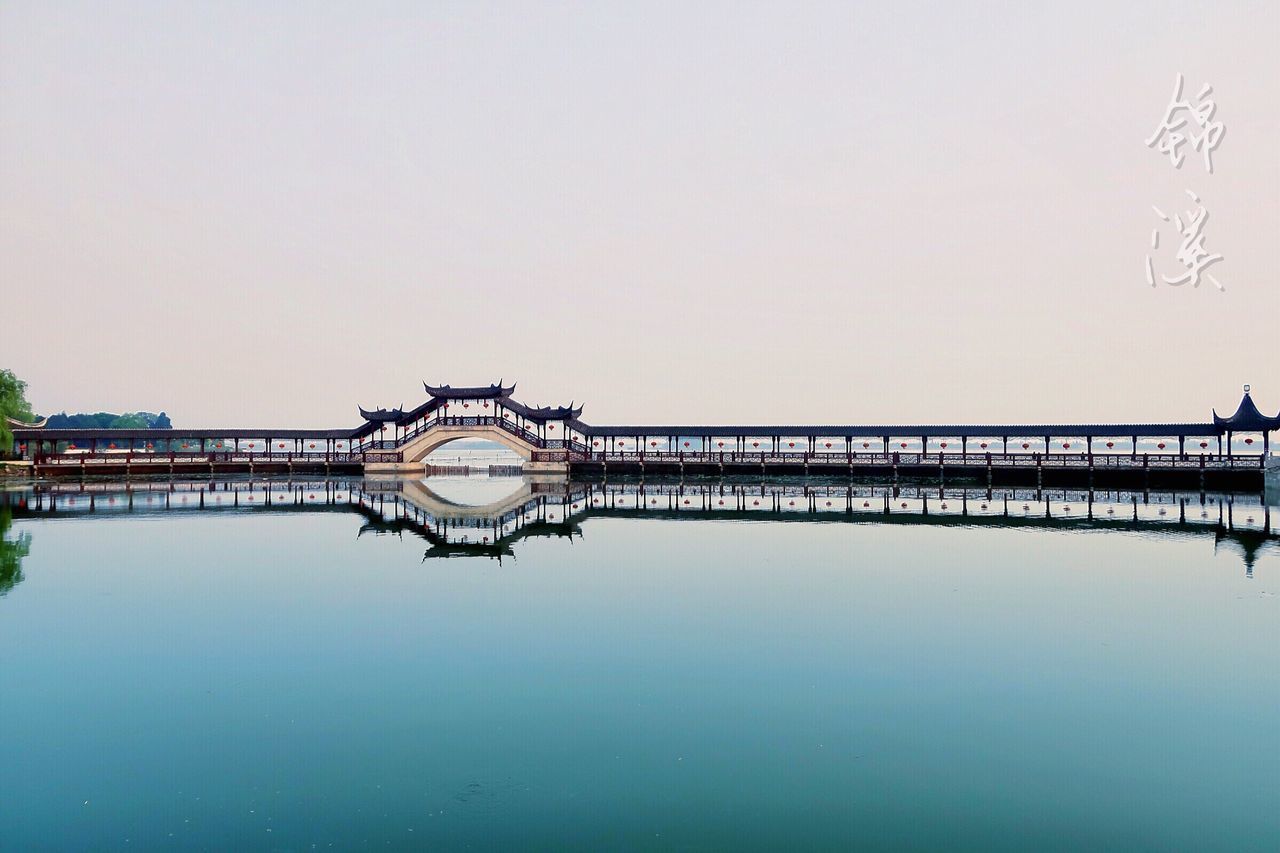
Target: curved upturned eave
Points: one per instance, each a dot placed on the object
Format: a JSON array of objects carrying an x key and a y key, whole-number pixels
[
  {"x": 480, "y": 392},
  {"x": 381, "y": 415},
  {"x": 1247, "y": 418}
]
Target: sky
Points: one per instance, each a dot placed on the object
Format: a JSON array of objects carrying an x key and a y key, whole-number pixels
[{"x": 263, "y": 214}]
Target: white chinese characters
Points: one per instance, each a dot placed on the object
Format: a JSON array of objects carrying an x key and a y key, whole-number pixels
[
  {"x": 1174, "y": 132},
  {"x": 1191, "y": 253},
  {"x": 1177, "y": 130}
]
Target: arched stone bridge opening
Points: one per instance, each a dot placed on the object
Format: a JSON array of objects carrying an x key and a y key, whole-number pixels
[{"x": 418, "y": 449}]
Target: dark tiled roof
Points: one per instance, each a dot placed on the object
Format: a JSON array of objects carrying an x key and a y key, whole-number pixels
[
  {"x": 1246, "y": 418},
  {"x": 476, "y": 393},
  {"x": 381, "y": 415},
  {"x": 880, "y": 430},
  {"x": 177, "y": 434},
  {"x": 544, "y": 413}
]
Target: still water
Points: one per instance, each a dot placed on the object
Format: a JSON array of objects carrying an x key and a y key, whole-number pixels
[{"x": 283, "y": 665}]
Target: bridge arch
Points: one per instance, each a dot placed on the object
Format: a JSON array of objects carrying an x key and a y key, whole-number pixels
[{"x": 440, "y": 435}]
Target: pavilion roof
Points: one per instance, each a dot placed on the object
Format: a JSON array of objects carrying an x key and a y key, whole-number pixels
[
  {"x": 544, "y": 413},
  {"x": 1246, "y": 418},
  {"x": 381, "y": 415},
  {"x": 482, "y": 392}
]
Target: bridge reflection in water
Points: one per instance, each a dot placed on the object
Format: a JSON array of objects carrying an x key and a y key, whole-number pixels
[{"x": 557, "y": 507}]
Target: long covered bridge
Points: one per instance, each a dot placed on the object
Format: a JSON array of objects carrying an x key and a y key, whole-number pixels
[{"x": 1228, "y": 450}]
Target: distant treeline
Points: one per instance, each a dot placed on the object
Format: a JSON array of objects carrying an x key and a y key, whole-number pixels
[{"x": 107, "y": 420}]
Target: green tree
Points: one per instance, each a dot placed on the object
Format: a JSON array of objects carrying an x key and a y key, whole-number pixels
[{"x": 13, "y": 404}]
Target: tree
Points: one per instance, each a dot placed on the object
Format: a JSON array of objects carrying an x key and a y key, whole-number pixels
[
  {"x": 13, "y": 404},
  {"x": 130, "y": 420}
]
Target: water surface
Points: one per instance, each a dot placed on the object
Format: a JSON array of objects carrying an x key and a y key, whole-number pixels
[{"x": 243, "y": 677}]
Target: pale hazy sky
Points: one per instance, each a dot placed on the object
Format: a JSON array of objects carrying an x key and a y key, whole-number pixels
[{"x": 262, "y": 214}]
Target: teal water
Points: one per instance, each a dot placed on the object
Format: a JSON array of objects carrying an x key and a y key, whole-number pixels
[{"x": 269, "y": 680}]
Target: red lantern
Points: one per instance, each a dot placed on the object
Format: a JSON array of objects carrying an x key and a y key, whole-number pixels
[
  {"x": 313, "y": 445},
  {"x": 1160, "y": 445},
  {"x": 1204, "y": 444},
  {"x": 595, "y": 444},
  {"x": 551, "y": 427},
  {"x": 384, "y": 429},
  {"x": 686, "y": 444},
  {"x": 983, "y": 445},
  {"x": 71, "y": 446},
  {"x": 944, "y": 445},
  {"x": 828, "y": 444},
  {"x": 1066, "y": 444},
  {"x": 1248, "y": 441},
  {"x": 904, "y": 505},
  {"x": 1025, "y": 445},
  {"x": 902, "y": 443},
  {"x": 755, "y": 444},
  {"x": 791, "y": 444},
  {"x": 653, "y": 444},
  {"x": 755, "y": 503},
  {"x": 150, "y": 445},
  {"x": 111, "y": 446},
  {"x": 686, "y": 501},
  {"x": 866, "y": 444},
  {"x": 866, "y": 504},
  {"x": 466, "y": 405},
  {"x": 486, "y": 404},
  {"x": 721, "y": 443},
  {"x": 1111, "y": 444}
]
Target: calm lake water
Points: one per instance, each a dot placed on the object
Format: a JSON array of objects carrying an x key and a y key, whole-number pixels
[{"x": 188, "y": 668}]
